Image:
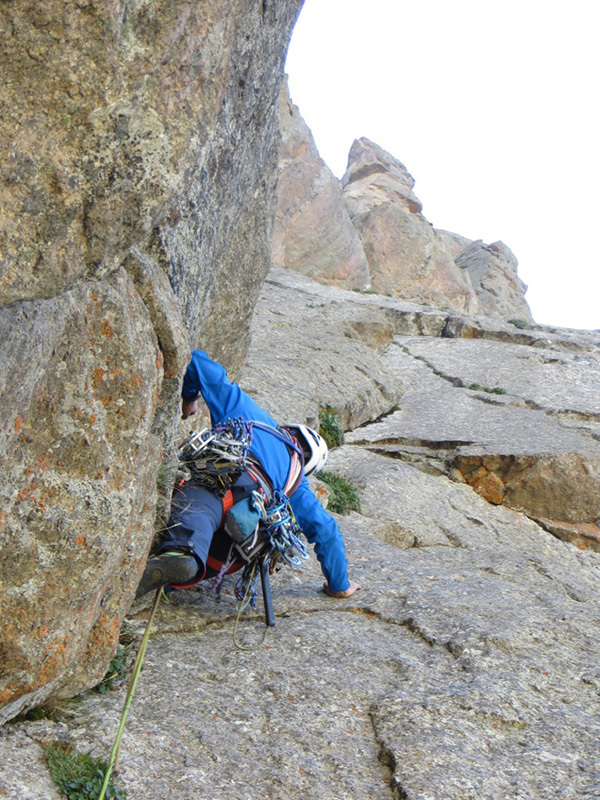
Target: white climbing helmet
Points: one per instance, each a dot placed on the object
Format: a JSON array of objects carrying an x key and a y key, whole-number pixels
[{"x": 313, "y": 447}]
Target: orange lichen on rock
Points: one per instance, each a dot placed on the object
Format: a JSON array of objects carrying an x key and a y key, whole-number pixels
[
  {"x": 488, "y": 485},
  {"x": 98, "y": 376}
]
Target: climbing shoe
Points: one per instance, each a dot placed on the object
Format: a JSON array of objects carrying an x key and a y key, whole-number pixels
[{"x": 171, "y": 567}]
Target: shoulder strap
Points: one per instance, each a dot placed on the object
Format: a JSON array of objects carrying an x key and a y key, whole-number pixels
[
  {"x": 297, "y": 457},
  {"x": 279, "y": 433}
]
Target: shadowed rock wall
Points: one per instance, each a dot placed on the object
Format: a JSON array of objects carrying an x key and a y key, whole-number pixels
[{"x": 138, "y": 155}]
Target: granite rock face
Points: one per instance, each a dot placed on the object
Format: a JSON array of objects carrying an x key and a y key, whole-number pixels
[
  {"x": 373, "y": 219},
  {"x": 512, "y": 412},
  {"x": 517, "y": 422},
  {"x": 294, "y": 320},
  {"x": 408, "y": 258},
  {"x": 313, "y": 233},
  {"x": 467, "y": 665},
  {"x": 138, "y": 151},
  {"x": 139, "y": 164},
  {"x": 493, "y": 272}
]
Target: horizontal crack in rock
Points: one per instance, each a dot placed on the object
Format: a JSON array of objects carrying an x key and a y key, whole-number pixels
[{"x": 413, "y": 441}]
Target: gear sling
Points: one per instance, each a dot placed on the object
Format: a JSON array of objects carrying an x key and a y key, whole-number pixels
[{"x": 257, "y": 527}]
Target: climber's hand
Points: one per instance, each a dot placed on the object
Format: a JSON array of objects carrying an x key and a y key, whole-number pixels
[{"x": 188, "y": 408}]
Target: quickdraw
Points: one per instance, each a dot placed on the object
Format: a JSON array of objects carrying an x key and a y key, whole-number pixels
[
  {"x": 277, "y": 535},
  {"x": 230, "y": 440}
]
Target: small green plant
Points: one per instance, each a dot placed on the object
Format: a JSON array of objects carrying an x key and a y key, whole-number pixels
[
  {"x": 34, "y": 714},
  {"x": 403, "y": 347},
  {"x": 423, "y": 360},
  {"x": 117, "y": 671},
  {"x": 518, "y": 323},
  {"x": 329, "y": 427},
  {"x": 343, "y": 496},
  {"x": 79, "y": 776},
  {"x": 477, "y": 387}
]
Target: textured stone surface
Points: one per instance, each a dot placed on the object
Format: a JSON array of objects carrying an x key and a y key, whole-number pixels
[
  {"x": 313, "y": 233},
  {"x": 514, "y": 413},
  {"x": 23, "y": 773},
  {"x": 78, "y": 495},
  {"x": 518, "y": 423},
  {"x": 493, "y": 272},
  {"x": 138, "y": 153},
  {"x": 466, "y": 666},
  {"x": 407, "y": 257},
  {"x": 374, "y": 234},
  {"x": 140, "y": 145},
  {"x": 323, "y": 345}
]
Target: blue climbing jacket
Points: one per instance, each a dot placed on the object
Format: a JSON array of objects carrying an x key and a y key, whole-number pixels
[{"x": 225, "y": 400}]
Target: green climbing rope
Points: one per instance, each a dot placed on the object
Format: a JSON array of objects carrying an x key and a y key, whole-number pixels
[{"x": 137, "y": 668}]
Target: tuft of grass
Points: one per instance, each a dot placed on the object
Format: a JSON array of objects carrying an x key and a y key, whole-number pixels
[
  {"x": 34, "y": 714},
  {"x": 519, "y": 323},
  {"x": 79, "y": 776},
  {"x": 477, "y": 387},
  {"x": 116, "y": 673},
  {"x": 423, "y": 360},
  {"x": 343, "y": 496},
  {"x": 329, "y": 426}
]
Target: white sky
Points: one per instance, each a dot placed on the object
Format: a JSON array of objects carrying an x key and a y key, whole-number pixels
[{"x": 492, "y": 105}]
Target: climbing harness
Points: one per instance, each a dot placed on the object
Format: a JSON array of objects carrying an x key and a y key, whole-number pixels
[{"x": 264, "y": 531}]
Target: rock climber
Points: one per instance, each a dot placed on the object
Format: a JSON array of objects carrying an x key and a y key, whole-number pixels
[{"x": 190, "y": 551}]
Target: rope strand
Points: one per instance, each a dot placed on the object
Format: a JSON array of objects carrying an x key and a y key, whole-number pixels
[{"x": 134, "y": 679}]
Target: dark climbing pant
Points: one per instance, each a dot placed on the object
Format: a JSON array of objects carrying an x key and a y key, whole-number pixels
[{"x": 196, "y": 515}]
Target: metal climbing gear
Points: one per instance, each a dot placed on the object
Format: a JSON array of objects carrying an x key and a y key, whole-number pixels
[
  {"x": 216, "y": 457},
  {"x": 230, "y": 440}
]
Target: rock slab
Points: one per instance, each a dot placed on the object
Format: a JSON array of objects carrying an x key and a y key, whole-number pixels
[{"x": 466, "y": 666}]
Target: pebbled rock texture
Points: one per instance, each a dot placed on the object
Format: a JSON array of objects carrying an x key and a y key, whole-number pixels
[
  {"x": 466, "y": 666},
  {"x": 138, "y": 153}
]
